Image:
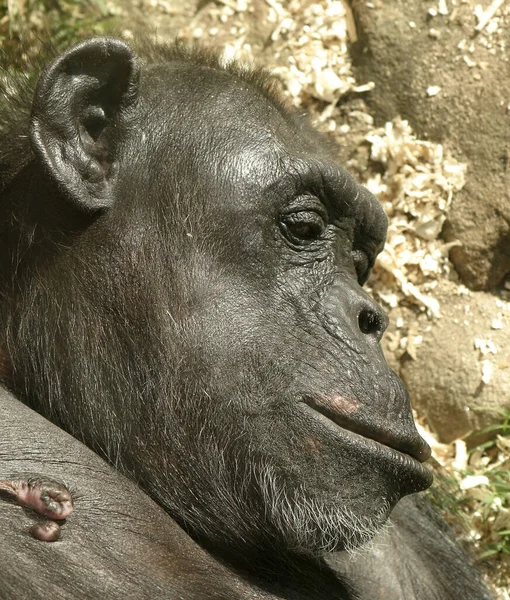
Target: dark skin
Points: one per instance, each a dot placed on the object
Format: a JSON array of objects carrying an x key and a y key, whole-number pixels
[{"x": 199, "y": 316}]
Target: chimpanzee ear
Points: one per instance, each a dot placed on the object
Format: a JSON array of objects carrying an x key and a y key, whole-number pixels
[{"x": 78, "y": 117}]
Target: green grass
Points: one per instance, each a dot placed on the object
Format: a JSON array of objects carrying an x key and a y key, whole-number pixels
[
  {"x": 481, "y": 515},
  {"x": 494, "y": 499}
]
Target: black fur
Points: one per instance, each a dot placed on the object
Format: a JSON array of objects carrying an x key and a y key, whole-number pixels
[{"x": 181, "y": 278}]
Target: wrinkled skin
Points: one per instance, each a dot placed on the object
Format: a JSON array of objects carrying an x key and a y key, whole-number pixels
[{"x": 182, "y": 281}]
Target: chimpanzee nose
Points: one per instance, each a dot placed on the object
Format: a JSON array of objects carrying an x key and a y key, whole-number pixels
[
  {"x": 372, "y": 320},
  {"x": 349, "y": 303}
]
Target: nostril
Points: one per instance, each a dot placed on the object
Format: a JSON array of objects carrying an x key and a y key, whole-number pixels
[{"x": 371, "y": 323}]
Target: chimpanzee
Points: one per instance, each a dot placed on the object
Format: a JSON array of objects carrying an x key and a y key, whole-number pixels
[{"x": 181, "y": 279}]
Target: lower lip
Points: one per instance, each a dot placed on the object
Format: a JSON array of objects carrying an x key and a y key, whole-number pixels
[{"x": 409, "y": 465}]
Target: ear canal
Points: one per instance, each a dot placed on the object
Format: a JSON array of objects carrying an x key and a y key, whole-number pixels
[{"x": 78, "y": 114}]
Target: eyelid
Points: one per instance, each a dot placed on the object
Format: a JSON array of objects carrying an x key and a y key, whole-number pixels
[
  {"x": 307, "y": 203},
  {"x": 295, "y": 217}
]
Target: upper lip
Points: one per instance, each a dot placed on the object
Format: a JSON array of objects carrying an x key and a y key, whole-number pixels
[{"x": 408, "y": 442}]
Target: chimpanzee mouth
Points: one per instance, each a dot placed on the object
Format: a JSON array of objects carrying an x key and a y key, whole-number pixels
[{"x": 409, "y": 452}]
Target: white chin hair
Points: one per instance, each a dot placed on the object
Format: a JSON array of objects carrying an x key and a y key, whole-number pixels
[{"x": 310, "y": 526}]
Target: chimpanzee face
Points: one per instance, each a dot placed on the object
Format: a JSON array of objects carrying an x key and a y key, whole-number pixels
[{"x": 215, "y": 341}]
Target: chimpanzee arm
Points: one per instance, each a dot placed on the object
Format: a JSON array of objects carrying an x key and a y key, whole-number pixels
[
  {"x": 416, "y": 557},
  {"x": 116, "y": 544}
]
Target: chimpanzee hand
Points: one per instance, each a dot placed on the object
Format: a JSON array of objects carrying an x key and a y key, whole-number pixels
[{"x": 46, "y": 497}]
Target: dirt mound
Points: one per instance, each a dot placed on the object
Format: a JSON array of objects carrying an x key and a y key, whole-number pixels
[{"x": 457, "y": 367}]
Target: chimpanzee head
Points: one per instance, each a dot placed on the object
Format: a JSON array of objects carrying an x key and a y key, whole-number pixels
[{"x": 183, "y": 271}]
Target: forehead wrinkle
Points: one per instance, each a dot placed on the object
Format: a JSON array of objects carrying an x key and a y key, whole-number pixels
[
  {"x": 223, "y": 101},
  {"x": 231, "y": 132},
  {"x": 301, "y": 173}
]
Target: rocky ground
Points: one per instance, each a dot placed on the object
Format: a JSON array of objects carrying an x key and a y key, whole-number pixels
[{"x": 416, "y": 93}]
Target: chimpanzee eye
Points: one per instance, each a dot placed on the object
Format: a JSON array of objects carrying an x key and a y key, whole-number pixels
[{"x": 302, "y": 227}]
